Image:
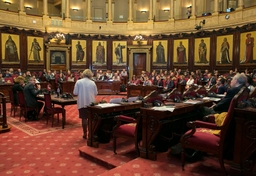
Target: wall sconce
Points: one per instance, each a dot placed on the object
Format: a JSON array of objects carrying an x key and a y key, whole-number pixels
[
  {"x": 166, "y": 10},
  {"x": 143, "y": 11},
  {"x": 75, "y": 9},
  {"x": 7, "y": 2},
  {"x": 200, "y": 26},
  {"x": 28, "y": 7}
]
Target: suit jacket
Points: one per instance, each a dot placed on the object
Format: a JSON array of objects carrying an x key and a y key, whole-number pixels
[
  {"x": 223, "y": 105},
  {"x": 221, "y": 89},
  {"x": 212, "y": 81},
  {"x": 170, "y": 84},
  {"x": 30, "y": 94}
]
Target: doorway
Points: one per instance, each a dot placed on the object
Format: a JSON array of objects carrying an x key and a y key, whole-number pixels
[{"x": 139, "y": 63}]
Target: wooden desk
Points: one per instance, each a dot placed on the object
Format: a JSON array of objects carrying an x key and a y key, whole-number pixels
[
  {"x": 67, "y": 87},
  {"x": 245, "y": 142},
  {"x": 139, "y": 90},
  {"x": 153, "y": 122},
  {"x": 62, "y": 102},
  {"x": 102, "y": 119},
  {"x": 108, "y": 87},
  {"x": 4, "y": 89}
]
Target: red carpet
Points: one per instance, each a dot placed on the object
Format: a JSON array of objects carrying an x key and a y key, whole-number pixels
[{"x": 49, "y": 151}]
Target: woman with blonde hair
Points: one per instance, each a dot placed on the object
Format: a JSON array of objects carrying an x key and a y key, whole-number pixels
[{"x": 17, "y": 86}]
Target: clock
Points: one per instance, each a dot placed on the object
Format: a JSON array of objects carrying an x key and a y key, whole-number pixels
[{"x": 227, "y": 17}]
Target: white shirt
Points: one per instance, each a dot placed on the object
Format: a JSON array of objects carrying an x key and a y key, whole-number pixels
[
  {"x": 190, "y": 82},
  {"x": 85, "y": 89}
]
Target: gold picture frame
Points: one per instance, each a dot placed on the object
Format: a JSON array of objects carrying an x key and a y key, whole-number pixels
[
  {"x": 119, "y": 53},
  {"x": 10, "y": 48},
  {"x": 224, "y": 50},
  {"x": 180, "y": 52},
  {"x": 99, "y": 52},
  {"x": 78, "y": 56},
  {"x": 35, "y": 50},
  {"x": 202, "y": 51},
  {"x": 160, "y": 52},
  {"x": 247, "y": 48}
]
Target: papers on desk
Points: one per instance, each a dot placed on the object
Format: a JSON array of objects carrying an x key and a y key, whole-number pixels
[
  {"x": 192, "y": 101},
  {"x": 220, "y": 95},
  {"x": 211, "y": 98},
  {"x": 41, "y": 95},
  {"x": 106, "y": 105},
  {"x": 163, "y": 108}
]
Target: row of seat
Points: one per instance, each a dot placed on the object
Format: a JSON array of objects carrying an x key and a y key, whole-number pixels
[{"x": 49, "y": 109}]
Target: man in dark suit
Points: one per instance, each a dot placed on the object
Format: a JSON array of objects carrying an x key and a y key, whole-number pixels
[
  {"x": 211, "y": 80},
  {"x": 221, "y": 86},
  {"x": 169, "y": 83},
  {"x": 30, "y": 93},
  {"x": 238, "y": 81}
]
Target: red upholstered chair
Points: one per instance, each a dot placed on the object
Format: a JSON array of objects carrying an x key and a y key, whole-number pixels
[
  {"x": 174, "y": 94},
  {"x": 24, "y": 109},
  {"x": 253, "y": 94},
  {"x": 128, "y": 128},
  {"x": 51, "y": 110},
  {"x": 13, "y": 105},
  {"x": 189, "y": 93},
  {"x": 8, "y": 80},
  {"x": 212, "y": 89},
  {"x": 203, "y": 139},
  {"x": 201, "y": 91}
]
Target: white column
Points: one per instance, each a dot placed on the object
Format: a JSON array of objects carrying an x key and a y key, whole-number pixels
[
  {"x": 193, "y": 13},
  {"x": 225, "y": 5},
  {"x": 240, "y": 4},
  {"x": 67, "y": 9},
  {"x": 21, "y": 6},
  {"x": 109, "y": 10},
  {"x": 89, "y": 10},
  {"x": 216, "y": 7},
  {"x": 150, "y": 10},
  {"x": 171, "y": 10},
  {"x": 45, "y": 7},
  {"x": 130, "y": 10}
]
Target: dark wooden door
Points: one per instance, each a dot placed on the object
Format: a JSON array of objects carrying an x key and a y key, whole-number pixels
[{"x": 139, "y": 63}]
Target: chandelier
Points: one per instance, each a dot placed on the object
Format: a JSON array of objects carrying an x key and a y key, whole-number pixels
[
  {"x": 139, "y": 38},
  {"x": 59, "y": 37}
]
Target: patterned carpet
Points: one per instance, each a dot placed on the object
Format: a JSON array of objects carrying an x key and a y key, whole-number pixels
[{"x": 35, "y": 148}]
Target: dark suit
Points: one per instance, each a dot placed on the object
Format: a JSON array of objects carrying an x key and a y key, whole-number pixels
[
  {"x": 221, "y": 90},
  {"x": 160, "y": 82},
  {"x": 223, "y": 105},
  {"x": 30, "y": 94},
  {"x": 211, "y": 82},
  {"x": 170, "y": 84}
]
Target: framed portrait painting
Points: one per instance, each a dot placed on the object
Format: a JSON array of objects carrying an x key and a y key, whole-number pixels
[
  {"x": 10, "y": 48},
  {"x": 202, "y": 51},
  {"x": 99, "y": 54},
  {"x": 78, "y": 52},
  {"x": 247, "y": 48},
  {"x": 180, "y": 53},
  {"x": 119, "y": 53},
  {"x": 224, "y": 49},
  {"x": 35, "y": 50},
  {"x": 160, "y": 52}
]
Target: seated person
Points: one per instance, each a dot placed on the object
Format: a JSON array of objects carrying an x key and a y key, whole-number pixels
[
  {"x": 116, "y": 77},
  {"x": 133, "y": 80},
  {"x": 103, "y": 77},
  {"x": 182, "y": 80},
  {"x": 250, "y": 83},
  {"x": 62, "y": 78},
  {"x": 238, "y": 81},
  {"x": 1, "y": 79},
  {"x": 190, "y": 81},
  {"x": 109, "y": 74},
  {"x": 169, "y": 83},
  {"x": 221, "y": 88},
  {"x": 147, "y": 82},
  {"x": 17, "y": 86},
  {"x": 71, "y": 78},
  {"x": 159, "y": 81},
  {"x": 30, "y": 92},
  {"x": 124, "y": 73},
  {"x": 211, "y": 80}
]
